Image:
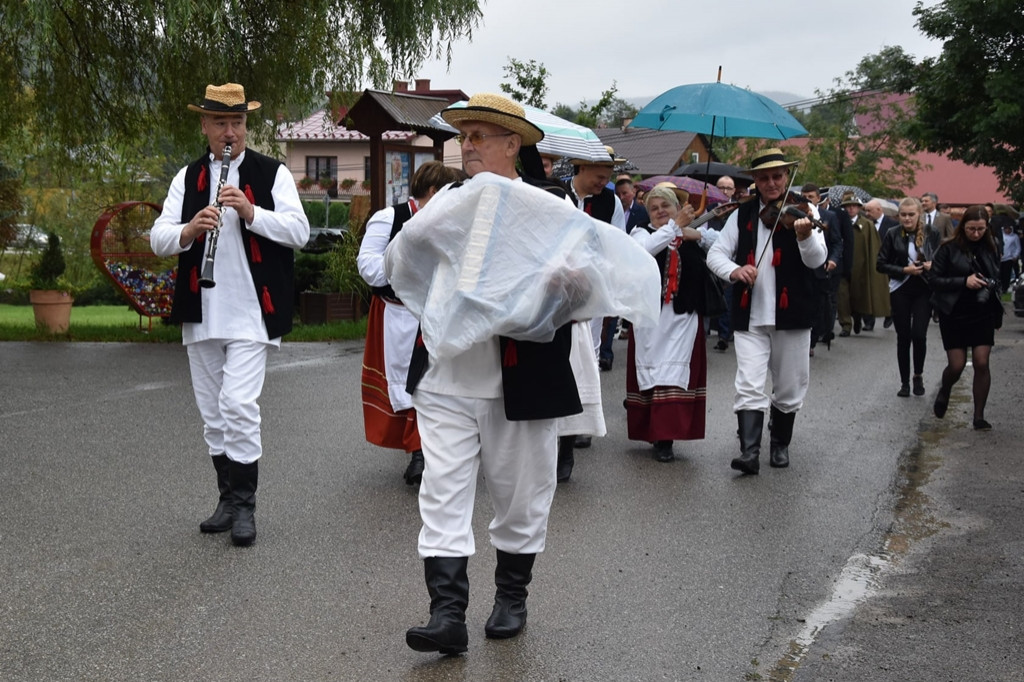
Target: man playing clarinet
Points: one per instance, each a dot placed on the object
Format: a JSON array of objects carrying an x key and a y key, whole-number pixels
[{"x": 244, "y": 231}]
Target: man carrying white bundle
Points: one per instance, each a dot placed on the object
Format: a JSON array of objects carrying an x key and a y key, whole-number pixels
[{"x": 486, "y": 399}]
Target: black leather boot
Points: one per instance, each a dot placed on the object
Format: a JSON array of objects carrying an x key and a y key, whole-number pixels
[
  {"x": 243, "y": 479},
  {"x": 511, "y": 576},
  {"x": 781, "y": 434},
  {"x": 448, "y": 586},
  {"x": 566, "y": 460},
  {"x": 751, "y": 422},
  {"x": 414, "y": 472},
  {"x": 223, "y": 515}
]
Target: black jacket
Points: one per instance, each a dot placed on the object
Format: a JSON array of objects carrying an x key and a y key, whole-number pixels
[
  {"x": 950, "y": 269},
  {"x": 894, "y": 254}
]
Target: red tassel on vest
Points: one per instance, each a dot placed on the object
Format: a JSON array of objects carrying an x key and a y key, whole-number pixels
[
  {"x": 784, "y": 299},
  {"x": 777, "y": 257},
  {"x": 254, "y": 249},
  {"x": 745, "y": 299},
  {"x": 750, "y": 259},
  {"x": 193, "y": 281},
  {"x": 750, "y": 226},
  {"x": 511, "y": 358},
  {"x": 266, "y": 302},
  {"x": 249, "y": 195},
  {"x": 201, "y": 183}
]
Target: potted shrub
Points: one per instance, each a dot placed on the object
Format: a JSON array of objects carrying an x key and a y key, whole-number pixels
[
  {"x": 306, "y": 182},
  {"x": 49, "y": 292},
  {"x": 341, "y": 290},
  {"x": 347, "y": 184}
]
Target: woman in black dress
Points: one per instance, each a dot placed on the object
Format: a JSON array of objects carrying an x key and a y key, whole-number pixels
[
  {"x": 964, "y": 279},
  {"x": 906, "y": 258}
]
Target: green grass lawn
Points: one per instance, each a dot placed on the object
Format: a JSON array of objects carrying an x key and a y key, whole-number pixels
[{"x": 121, "y": 324}]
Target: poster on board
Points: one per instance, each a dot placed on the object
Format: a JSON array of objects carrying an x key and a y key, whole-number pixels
[{"x": 397, "y": 176}]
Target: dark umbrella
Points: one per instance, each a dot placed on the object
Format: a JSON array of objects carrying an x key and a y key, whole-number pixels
[{"x": 713, "y": 171}]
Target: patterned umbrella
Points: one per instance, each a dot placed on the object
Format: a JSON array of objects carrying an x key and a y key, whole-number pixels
[
  {"x": 561, "y": 137},
  {"x": 691, "y": 185},
  {"x": 835, "y": 194}
]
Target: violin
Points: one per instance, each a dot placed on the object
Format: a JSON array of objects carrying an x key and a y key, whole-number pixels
[
  {"x": 786, "y": 211},
  {"x": 719, "y": 211}
]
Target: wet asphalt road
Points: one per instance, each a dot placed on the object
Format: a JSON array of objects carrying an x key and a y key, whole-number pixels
[{"x": 680, "y": 571}]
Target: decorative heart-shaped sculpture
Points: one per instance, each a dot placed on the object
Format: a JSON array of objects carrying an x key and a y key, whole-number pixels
[{"x": 120, "y": 249}]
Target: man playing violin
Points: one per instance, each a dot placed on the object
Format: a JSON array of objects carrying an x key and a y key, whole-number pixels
[{"x": 771, "y": 266}]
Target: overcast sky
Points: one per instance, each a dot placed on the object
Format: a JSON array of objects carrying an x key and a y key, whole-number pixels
[{"x": 649, "y": 46}]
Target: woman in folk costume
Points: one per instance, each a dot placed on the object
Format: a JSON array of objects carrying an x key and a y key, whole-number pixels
[
  {"x": 666, "y": 374},
  {"x": 388, "y": 415}
]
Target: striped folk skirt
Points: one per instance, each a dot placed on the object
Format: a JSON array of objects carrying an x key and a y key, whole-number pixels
[
  {"x": 668, "y": 412},
  {"x": 383, "y": 425}
]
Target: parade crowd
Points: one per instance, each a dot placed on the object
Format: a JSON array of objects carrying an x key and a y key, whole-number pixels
[{"x": 774, "y": 274}]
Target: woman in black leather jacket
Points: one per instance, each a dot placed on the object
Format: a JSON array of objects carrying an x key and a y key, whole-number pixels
[
  {"x": 964, "y": 278},
  {"x": 906, "y": 257}
]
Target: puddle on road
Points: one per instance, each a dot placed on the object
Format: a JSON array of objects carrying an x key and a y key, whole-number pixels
[{"x": 861, "y": 576}]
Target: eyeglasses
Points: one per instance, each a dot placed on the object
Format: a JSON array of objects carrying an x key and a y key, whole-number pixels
[{"x": 476, "y": 138}]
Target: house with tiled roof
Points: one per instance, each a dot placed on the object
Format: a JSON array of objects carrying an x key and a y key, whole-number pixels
[{"x": 654, "y": 152}]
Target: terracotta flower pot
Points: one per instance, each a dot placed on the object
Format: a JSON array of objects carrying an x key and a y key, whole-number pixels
[{"x": 52, "y": 309}]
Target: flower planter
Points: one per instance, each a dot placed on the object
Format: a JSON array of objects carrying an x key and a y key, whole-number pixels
[
  {"x": 321, "y": 308},
  {"x": 52, "y": 310}
]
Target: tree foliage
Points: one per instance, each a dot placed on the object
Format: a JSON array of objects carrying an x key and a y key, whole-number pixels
[
  {"x": 529, "y": 82},
  {"x": 969, "y": 100},
  {"x": 96, "y": 72},
  {"x": 590, "y": 115},
  {"x": 859, "y": 136}
]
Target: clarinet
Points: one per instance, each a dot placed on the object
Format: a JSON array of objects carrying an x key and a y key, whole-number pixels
[{"x": 206, "y": 279}]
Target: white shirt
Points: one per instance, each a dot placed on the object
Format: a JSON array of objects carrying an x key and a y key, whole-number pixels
[
  {"x": 618, "y": 214},
  {"x": 231, "y": 309}
]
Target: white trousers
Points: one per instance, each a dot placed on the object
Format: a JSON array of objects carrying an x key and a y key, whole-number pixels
[
  {"x": 227, "y": 379},
  {"x": 459, "y": 437},
  {"x": 786, "y": 353}
]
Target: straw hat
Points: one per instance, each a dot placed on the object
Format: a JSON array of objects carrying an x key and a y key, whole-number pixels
[
  {"x": 225, "y": 99},
  {"x": 498, "y": 110},
  {"x": 850, "y": 199},
  {"x": 681, "y": 194},
  {"x": 610, "y": 162},
  {"x": 770, "y": 158}
]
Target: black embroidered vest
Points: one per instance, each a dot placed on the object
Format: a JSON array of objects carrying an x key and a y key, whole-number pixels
[
  {"x": 271, "y": 264},
  {"x": 794, "y": 282}
]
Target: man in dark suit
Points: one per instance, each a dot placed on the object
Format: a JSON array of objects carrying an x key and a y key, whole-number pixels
[
  {"x": 826, "y": 276},
  {"x": 934, "y": 219},
  {"x": 635, "y": 212},
  {"x": 882, "y": 222}
]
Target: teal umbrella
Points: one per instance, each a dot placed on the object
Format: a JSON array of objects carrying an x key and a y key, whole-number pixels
[{"x": 718, "y": 109}]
